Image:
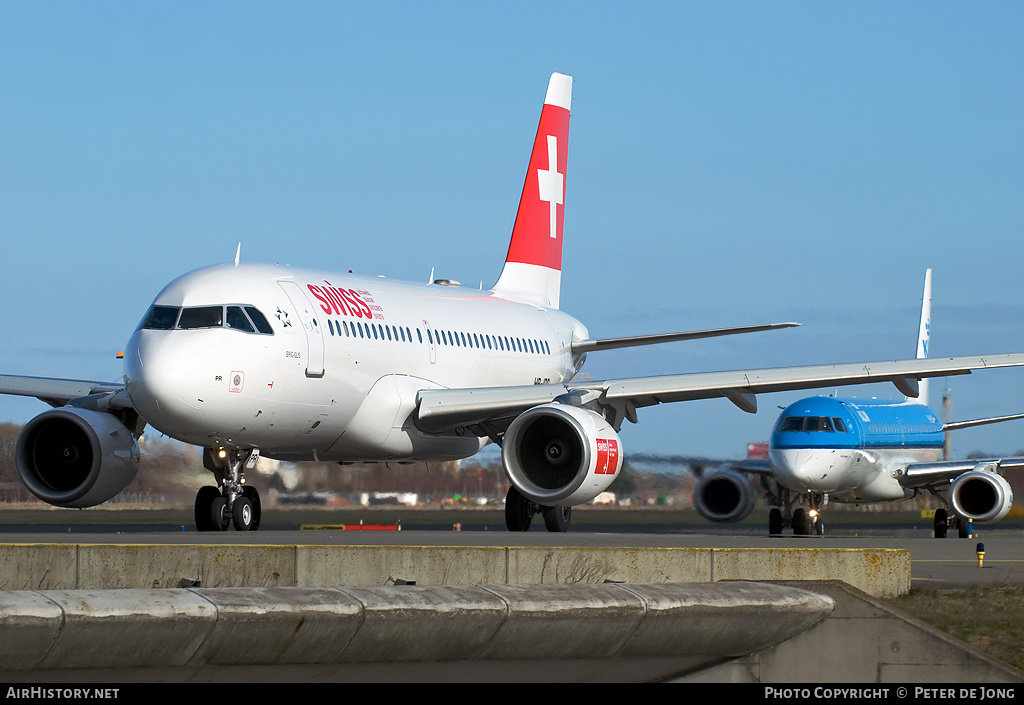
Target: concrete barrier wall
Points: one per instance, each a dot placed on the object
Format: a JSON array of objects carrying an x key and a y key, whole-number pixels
[
  {"x": 586, "y": 631},
  {"x": 863, "y": 641},
  {"x": 880, "y": 572}
]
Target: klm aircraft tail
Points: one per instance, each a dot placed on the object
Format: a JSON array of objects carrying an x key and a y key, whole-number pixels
[{"x": 924, "y": 333}]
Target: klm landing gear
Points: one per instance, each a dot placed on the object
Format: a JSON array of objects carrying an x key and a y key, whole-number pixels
[
  {"x": 519, "y": 513},
  {"x": 944, "y": 521},
  {"x": 805, "y": 521},
  {"x": 233, "y": 503}
]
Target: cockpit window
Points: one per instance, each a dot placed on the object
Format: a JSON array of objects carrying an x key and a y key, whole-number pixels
[
  {"x": 811, "y": 424},
  {"x": 239, "y": 317},
  {"x": 201, "y": 317},
  {"x": 259, "y": 320},
  {"x": 160, "y": 318},
  {"x": 236, "y": 319}
]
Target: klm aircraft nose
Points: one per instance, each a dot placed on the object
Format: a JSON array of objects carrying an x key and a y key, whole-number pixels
[{"x": 817, "y": 469}]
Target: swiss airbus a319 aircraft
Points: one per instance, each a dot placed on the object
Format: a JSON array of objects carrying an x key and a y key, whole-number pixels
[
  {"x": 862, "y": 451},
  {"x": 247, "y": 360}
]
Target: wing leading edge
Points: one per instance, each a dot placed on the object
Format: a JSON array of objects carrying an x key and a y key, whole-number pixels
[
  {"x": 59, "y": 392},
  {"x": 446, "y": 409}
]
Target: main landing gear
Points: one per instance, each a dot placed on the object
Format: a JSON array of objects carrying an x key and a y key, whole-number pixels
[
  {"x": 519, "y": 513},
  {"x": 232, "y": 502},
  {"x": 944, "y": 521}
]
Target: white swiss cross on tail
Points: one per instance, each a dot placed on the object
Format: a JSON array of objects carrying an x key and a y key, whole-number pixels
[
  {"x": 533, "y": 267},
  {"x": 551, "y": 184}
]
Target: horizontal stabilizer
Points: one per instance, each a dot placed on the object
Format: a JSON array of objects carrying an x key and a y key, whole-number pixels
[
  {"x": 979, "y": 422},
  {"x": 582, "y": 346}
]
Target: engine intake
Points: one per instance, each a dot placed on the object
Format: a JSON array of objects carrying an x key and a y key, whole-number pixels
[
  {"x": 559, "y": 455},
  {"x": 981, "y": 495},
  {"x": 724, "y": 495},
  {"x": 74, "y": 457}
]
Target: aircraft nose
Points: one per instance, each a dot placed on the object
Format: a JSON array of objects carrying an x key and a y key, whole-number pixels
[
  {"x": 789, "y": 465},
  {"x": 808, "y": 469},
  {"x": 157, "y": 379}
]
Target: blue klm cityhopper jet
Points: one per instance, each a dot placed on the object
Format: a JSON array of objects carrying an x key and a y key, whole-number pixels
[{"x": 826, "y": 449}]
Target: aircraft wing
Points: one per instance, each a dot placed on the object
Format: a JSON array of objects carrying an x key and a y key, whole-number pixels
[
  {"x": 753, "y": 466},
  {"x": 942, "y": 471},
  {"x": 58, "y": 392},
  {"x": 446, "y": 409}
]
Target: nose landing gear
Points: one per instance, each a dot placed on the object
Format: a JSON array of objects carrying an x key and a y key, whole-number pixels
[
  {"x": 233, "y": 502},
  {"x": 804, "y": 522}
]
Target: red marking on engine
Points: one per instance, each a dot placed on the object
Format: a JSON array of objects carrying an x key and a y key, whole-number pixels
[{"x": 607, "y": 457}]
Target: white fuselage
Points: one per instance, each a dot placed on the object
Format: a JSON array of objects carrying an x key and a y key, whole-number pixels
[
  {"x": 337, "y": 379},
  {"x": 847, "y": 475}
]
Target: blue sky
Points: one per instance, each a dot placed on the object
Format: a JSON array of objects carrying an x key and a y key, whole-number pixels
[{"x": 730, "y": 163}]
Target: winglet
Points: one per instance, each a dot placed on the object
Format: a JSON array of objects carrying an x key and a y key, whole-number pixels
[{"x": 533, "y": 266}]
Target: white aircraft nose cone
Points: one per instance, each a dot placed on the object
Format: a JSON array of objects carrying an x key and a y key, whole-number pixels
[
  {"x": 818, "y": 469},
  {"x": 790, "y": 466},
  {"x": 158, "y": 380}
]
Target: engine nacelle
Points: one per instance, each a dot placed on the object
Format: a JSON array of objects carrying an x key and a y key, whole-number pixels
[
  {"x": 981, "y": 495},
  {"x": 74, "y": 457},
  {"x": 559, "y": 455},
  {"x": 724, "y": 495}
]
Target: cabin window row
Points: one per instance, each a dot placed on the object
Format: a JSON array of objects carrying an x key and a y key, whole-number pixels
[
  {"x": 901, "y": 429},
  {"x": 501, "y": 343},
  {"x": 373, "y": 331},
  {"x": 380, "y": 331}
]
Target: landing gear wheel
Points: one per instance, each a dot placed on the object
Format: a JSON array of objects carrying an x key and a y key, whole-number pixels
[
  {"x": 963, "y": 527},
  {"x": 220, "y": 517},
  {"x": 518, "y": 512},
  {"x": 941, "y": 523},
  {"x": 204, "y": 508},
  {"x": 801, "y": 523},
  {"x": 241, "y": 514},
  {"x": 557, "y": 519},
  {"x": 818, "y": 527},
  {"x": 253, "y": 496},
  {"x": 775, "y": 522}
]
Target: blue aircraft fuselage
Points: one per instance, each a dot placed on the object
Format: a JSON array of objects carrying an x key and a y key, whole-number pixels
[{"x": 838, "y": 446}]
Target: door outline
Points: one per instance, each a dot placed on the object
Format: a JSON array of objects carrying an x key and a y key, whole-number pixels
[{"x": 310, "y": 326}]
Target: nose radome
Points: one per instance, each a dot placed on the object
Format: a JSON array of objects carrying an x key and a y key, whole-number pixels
[{"x": 156, "y": 379}]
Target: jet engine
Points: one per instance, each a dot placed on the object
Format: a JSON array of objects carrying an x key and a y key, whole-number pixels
[
  {"x": 724, "y": 495},
  {"x": 981, "y": 495},
  {"x": 559, "y": 455},
  {"x": 74, "y": 457}
]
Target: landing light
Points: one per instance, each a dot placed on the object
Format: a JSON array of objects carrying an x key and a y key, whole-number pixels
[{"x": 222, "y": 453}]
